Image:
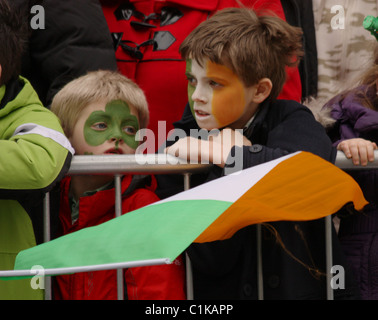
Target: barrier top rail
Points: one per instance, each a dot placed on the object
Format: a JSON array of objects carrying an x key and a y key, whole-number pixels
[
  {"x": 133, "y": 163},
  {"x": 165, "y": 164},
  {"x": 344, "y": 163}
]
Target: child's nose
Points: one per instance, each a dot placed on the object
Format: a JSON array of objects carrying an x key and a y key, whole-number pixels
[
  {"x": 199, "y": 95},
  {"x": 116, "y": 135},
  {"x": 116, "y": 138}
]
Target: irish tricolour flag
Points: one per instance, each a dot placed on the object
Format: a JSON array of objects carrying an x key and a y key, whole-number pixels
[{"x": 297, "y": 187}]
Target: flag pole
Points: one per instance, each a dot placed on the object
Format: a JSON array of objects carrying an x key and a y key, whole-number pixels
[{"x": 89, "y": 268}]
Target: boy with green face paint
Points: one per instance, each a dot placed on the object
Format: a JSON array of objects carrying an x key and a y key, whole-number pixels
[{"x": 101, "y": 113}]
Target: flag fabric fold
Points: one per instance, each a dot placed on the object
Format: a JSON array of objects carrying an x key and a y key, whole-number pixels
[{"x": 298, "y": 187}]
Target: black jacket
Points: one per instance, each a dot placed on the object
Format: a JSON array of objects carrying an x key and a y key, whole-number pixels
[
  {"x": 75, "y": 40},
  {"x": 227, "y": 269},
  {"x": 299, "y": 13}
]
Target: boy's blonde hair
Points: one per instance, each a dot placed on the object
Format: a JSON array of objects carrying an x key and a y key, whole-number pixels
[
  {"x": 253, "y": 47},
  {"x": 95, "y": 86}
]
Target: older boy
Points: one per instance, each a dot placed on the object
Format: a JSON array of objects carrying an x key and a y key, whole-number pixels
[
  {"x": 101, "y": 113},
  {"x": 236, "y": 68},
  {"x": 147, "y": 37},
  {"x": 34, "y": 155}
]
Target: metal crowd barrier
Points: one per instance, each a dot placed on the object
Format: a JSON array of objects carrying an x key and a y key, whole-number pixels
[
  {"x": 122, "y": 164},
  {"x": 166, "y": 164}
]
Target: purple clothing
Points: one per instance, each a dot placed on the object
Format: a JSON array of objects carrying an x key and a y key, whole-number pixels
[
  {"x": 359, "y": 232},
  {"x": 353, "y": 119}
]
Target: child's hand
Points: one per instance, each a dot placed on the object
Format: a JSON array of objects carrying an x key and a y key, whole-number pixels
[
  {"x": 359, "y": 150},
  {"x": 223, "y": 142},
  {"x": 215, "y": 150},
  {"x": 188, "y": 148}
]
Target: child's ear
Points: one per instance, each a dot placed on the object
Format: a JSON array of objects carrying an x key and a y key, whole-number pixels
[{"x": 263, "y": 89}]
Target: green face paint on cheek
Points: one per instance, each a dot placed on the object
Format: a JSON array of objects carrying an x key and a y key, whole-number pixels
[
  {"x": 191, "y": 89},
  {"x": 102, "y": 126}
]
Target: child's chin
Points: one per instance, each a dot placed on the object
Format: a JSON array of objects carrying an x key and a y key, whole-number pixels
[{"x": 208, "y": 128}]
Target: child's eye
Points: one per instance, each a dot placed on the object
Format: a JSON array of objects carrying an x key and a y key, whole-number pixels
[
  {"x": 215, "y": 84},
  {"x": 192, "y": 81},
  {"x": 130, "y": 130},
  {"x": 100, "y": 126}
]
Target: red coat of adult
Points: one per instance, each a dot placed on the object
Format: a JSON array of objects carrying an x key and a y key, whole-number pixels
[
  {"x": 161, "y": 282},
  {"x": 147, "y": 36}
]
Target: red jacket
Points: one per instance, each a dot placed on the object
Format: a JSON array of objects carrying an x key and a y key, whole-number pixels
[
  {"x": 150, "y": 54},
  {"x": 142, "y": 283}
]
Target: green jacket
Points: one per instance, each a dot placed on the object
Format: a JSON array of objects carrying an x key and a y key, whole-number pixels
[{"x": 34, "y": 155}]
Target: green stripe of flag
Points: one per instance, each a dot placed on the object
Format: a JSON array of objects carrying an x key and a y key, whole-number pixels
[{"x": 161, "y": 230}]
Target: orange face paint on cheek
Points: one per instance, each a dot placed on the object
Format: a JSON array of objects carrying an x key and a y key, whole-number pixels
[{"x": 228, "y": 102}]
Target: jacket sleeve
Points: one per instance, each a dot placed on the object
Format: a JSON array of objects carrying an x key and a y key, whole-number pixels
[
  {"x": 35, "y": 156},
  {"x": 75, "y": 40},
  {"x": 298, "y": 131}
]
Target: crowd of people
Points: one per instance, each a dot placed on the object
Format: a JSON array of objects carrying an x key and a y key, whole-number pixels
[{"x": 101, "y": 70}]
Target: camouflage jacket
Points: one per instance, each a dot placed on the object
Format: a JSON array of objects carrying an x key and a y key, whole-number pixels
[{"x": 344, "y": 47}]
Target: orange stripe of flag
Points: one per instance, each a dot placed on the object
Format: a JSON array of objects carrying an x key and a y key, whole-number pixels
[{"x": 303, "y": 187}]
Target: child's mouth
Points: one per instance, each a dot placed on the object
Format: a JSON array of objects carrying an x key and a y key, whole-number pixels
[
  {"x": 114, "y": 151},
  {"x": 200, "y": 113}
]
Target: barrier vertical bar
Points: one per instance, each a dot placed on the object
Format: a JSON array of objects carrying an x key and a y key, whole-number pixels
[
  {"x": 329, "y": 262},
  {"x": 188, "y": 264},
  {"x": 46, "y": 238},
  {"x": 260, "y": 280},
  {"x": 118, "y": 212}
]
